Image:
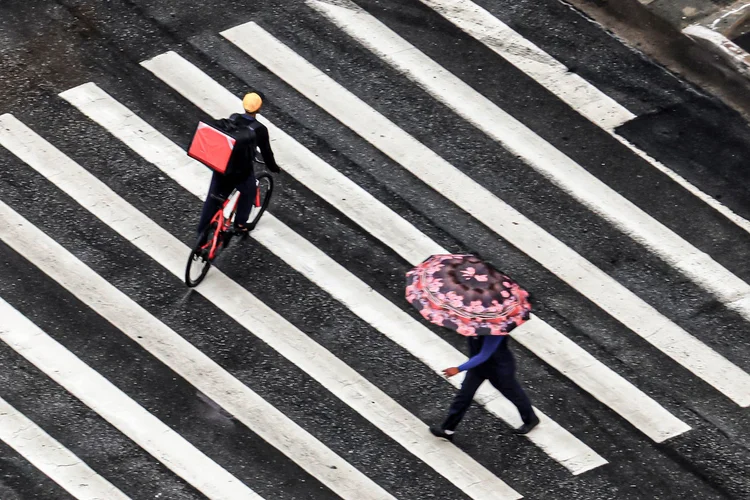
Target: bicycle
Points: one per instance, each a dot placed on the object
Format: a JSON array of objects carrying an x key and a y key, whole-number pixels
[{"x": 219, "y": 232}]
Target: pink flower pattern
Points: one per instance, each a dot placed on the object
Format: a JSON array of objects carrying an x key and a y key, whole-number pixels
[
  {"x": 444, "y": 307},
  {"x": 467, "y": 330},
  {"x": 470, "y": 272},
  {"x": 476, "y": 306}
]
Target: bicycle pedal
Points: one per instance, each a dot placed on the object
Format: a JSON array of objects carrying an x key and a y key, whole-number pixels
[{"x": 241, "y": 232}]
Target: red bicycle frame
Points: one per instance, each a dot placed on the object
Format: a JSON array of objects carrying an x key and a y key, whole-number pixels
[{"x": 223, "y": 218}]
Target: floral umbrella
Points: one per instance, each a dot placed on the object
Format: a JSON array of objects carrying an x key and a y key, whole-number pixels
[{"x": 463, "y": 293}]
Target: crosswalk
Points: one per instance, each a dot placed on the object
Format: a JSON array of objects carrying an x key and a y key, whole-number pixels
[
  {"x": 388, "y": 420},
  {"x": 365, "y": 207},
  {"x": 508, "y": 223},
  {"x": 571, "y": 88},
  {"x": 83, "y": 382},
  {"x": 540, "y": 155},
  {"x": 352, "y": 292},
  {"x": 47, "y": 454}
]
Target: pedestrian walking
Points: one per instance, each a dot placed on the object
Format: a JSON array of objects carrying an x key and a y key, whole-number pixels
[
  {"x": 491, "y": 359},
  {"x": 465, "y": 294}
]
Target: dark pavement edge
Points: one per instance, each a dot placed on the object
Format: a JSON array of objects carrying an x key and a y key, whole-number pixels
[{"x": 712, "y": 63}]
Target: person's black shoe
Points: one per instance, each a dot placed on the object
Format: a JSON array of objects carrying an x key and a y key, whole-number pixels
[
  {"x": 241, "y": 229},
  {"x": 440, "y": 432},
  {"x": 526, "y": 428}
]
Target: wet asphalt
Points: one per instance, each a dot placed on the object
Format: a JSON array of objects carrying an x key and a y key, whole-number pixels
[{"x": 48, "y": 47}]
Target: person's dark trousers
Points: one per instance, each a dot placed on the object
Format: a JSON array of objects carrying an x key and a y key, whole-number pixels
[
  {"x": 222, "y": 186},
  {"x": 500, "y": 371}
]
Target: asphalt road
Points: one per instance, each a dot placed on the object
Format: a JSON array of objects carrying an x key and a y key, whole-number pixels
[{"x": 50, "y": 47}]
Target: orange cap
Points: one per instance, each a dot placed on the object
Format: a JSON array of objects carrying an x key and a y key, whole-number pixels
[{"x": 252, "y": 102}]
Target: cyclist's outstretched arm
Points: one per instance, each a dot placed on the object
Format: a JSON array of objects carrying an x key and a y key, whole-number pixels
[{"x": 261, "y": 134}]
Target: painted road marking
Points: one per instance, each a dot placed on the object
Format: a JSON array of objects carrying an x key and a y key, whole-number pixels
[
  {"x": 582, "y": 368},
  {"x": 572, "y": 89},
  {"x": 414, "y": 246},
  {"x": 157, "y": 338},
  {"x": 562, "y": 261},
  {"x": 538, "y": 154},
  {"x": 42, "y": 450},
  {"x": 345, "y": 383},
  {"x": 316, "y": 265},
  {"x": 89, "y": 386}
]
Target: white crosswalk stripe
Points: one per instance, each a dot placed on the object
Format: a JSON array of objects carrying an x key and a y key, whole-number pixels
[
  {"x": 339, "y": 282},
  {"x": 571, "y": 88},
  {"x": 590, "y": 281},
  {"x": 260, "y": 320},
  {"x": 41, "y": 449},
  {"x": 546, "y": 70},
  {"x": 95, "y": 391},
  {"x": 539, "y": 154}
]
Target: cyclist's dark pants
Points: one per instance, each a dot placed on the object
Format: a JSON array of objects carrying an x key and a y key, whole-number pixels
[{"x": 222, "y": 186}]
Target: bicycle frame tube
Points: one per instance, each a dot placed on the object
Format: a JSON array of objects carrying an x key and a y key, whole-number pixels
[
  {"x": 223, "y": 219},
  {"x": 218, "y": 218}
]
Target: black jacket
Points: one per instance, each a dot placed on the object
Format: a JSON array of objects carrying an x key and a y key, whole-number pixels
[{"x": 245, "y": 158}]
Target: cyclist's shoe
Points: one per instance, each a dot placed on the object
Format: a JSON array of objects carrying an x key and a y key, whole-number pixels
[{"x": 241, "y": 229}]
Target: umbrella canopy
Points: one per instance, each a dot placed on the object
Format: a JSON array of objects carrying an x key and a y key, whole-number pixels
[{"x": 466, "y": 294}]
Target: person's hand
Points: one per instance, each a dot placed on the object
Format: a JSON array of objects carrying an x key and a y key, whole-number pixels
[{"x": 449, "y": 372}]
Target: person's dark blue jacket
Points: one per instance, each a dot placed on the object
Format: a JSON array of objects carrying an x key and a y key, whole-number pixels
[{"x": 482, "y": 350}]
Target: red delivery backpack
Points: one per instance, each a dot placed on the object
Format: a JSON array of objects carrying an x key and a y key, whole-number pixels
[{"x": 217, "y": 144}]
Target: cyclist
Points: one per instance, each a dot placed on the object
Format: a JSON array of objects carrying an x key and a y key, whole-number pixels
[{"x": 243, "y": 176}]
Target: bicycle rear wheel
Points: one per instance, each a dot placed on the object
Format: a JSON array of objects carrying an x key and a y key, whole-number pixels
[
  {"x": 262, "y": 199},
  {"x": 199, "y": 262}
]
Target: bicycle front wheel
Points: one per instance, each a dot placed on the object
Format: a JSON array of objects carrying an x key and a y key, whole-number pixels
[{"x": 262, "y": 199}]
